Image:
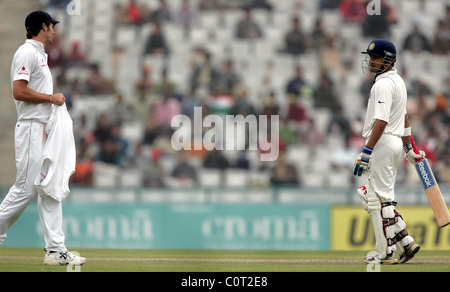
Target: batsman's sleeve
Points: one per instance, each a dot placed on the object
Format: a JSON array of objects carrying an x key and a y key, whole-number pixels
[{"x": 383, "y": 92}]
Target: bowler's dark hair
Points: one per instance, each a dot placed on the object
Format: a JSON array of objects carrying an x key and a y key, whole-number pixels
[{"x": 34, "y": 31}]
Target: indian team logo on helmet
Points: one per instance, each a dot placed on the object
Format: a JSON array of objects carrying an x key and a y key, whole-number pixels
[{"x": 371, "y": 46}]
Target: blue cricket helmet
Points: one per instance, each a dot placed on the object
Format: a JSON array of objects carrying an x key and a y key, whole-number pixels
[{"x": 381, "y": 48}]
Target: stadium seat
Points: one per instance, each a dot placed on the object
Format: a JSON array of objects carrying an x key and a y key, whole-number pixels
[
  {"x": 105, "y": 174},
  {"x": 132, "y": 131},
  {"x": 236, "y": 177},
  {"x": 313, "y": 179},
  {"x": 210, "y": 177},
  {"x": 131, "y": 178},
  {"x": 339, "y": 178}
]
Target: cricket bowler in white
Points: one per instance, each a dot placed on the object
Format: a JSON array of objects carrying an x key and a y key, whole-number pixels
[
  {"x": 35, "y": 102},
  {"x": 387, "y": 132}
]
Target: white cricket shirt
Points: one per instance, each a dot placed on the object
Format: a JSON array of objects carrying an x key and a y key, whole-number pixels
[
  {"x": 30, "y": 64},
  {"x": 387, "y": 102}
]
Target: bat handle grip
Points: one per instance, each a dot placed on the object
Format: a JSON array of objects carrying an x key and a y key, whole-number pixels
[{"x": 416, "y": 150}]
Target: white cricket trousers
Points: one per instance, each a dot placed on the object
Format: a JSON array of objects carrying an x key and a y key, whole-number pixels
[
  {"x": 386, "y": 157},
  {"x": 385, "y": 161},
  {"x": 30, "y": 138}
]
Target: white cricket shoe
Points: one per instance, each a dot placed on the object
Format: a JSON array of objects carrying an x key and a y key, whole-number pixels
[{"x": 64, "y": 258}]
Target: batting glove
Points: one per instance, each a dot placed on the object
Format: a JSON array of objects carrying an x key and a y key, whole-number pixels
[
  {"x": 412, "y": 156},
  {"x": 362, "y": 162}
]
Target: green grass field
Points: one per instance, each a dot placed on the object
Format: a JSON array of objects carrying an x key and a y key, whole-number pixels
[{"x": 105, "y": 260}]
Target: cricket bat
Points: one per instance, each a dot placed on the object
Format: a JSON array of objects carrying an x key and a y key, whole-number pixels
[{"x": 432, "y": 189}]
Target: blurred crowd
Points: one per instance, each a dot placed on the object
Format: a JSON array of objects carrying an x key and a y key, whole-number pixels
[{"x": 220, "y": 87}]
